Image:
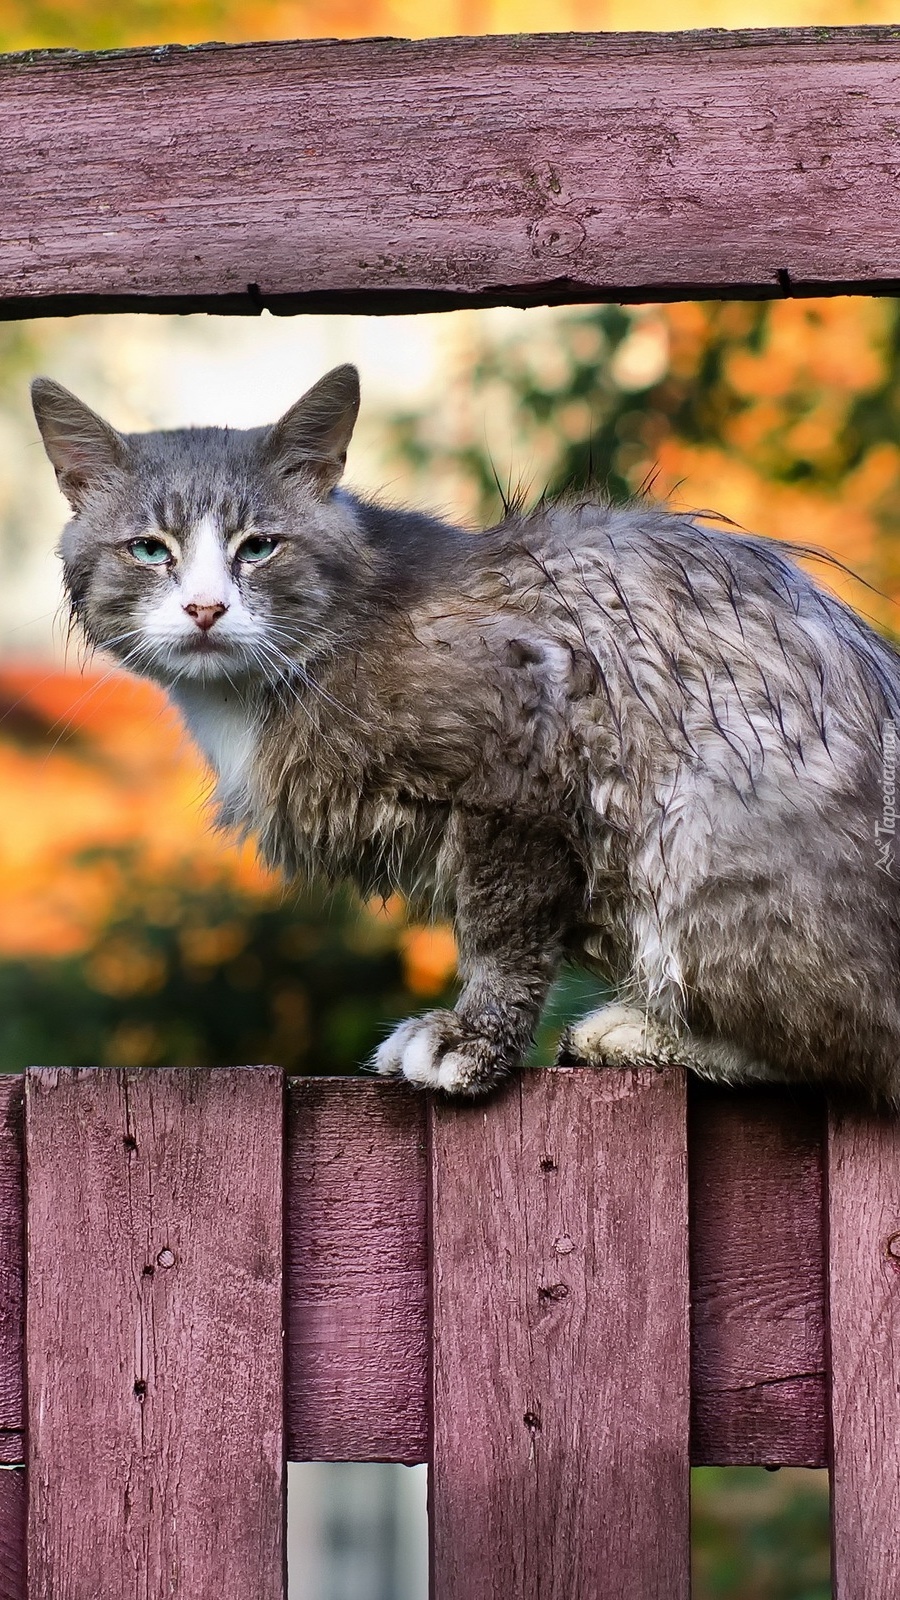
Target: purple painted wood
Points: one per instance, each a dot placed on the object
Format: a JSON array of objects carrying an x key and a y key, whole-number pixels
[
  {"x": 757, "y": 1277},
  {"x": 13, "y": 1513},
  {"x": 12, "y": 1344},
  {"x": 154, "y": 1334},
  {"x": 864, "y": 1302},
  {"x": 392, "y": 174},
  {"x": 561, "y": 1340},
  {"x": 357, "y": 1274},
  {"x": 12, "y": 1274},
  {"x": 357, "y": 1282},
  {"x": 356, "y": 1277}
]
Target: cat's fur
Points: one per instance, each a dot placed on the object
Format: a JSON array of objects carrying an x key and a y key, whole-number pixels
[{"x": 616, "y": 734}]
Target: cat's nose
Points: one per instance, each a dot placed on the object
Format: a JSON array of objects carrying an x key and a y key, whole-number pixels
[{"x": 206, "y": 616}]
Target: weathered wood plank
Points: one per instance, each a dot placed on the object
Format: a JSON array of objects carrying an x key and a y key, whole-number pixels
[
  {"x": 12, "y": 1273},
  {"x": 398, "y": 175},
  {"x": 356, "y": 1272},
  {"x": 561, "y": 1341},
  {"x": 13, "y": 1512},
  {"x": 864, "y": 1297},
  {"x": 757, "y": 1277},
  {"x": 357, "y": 1281},
  {"x": 12, "y": 1342},
  {"x": 154, "y": 1231}
]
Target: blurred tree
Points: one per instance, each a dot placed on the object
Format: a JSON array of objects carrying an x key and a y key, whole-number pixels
[
  {"x": 206, "y": 978},
  {"x": 784, "y": 416}
]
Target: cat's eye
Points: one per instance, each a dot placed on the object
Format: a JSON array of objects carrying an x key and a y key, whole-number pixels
[
  {"x": 258, "y": 547},
  {"x": 150, "y": 552}
]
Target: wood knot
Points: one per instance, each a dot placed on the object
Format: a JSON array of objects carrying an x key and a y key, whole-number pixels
[{"x": 552, "y": 1291}]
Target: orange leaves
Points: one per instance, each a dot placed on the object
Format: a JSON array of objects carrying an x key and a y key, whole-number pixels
[
  {"x": 93, "y": 24},
  {"x": 105, "y": 781},
  {"x": 429, "y": 958},
  {"x": 825, "y": 344}
]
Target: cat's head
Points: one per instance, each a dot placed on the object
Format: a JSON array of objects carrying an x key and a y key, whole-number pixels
[{"x": 207, "y": 552}]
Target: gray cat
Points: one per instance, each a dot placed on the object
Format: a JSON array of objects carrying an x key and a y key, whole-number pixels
[{"x": 612, "y": 734}]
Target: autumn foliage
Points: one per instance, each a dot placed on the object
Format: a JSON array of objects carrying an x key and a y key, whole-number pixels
[{"x": 130, "y": 932}]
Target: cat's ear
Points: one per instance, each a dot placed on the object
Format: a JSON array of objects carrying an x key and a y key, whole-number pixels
[
  {"x": 82, "y": 447},
  {"x": 313, "y": 436}
]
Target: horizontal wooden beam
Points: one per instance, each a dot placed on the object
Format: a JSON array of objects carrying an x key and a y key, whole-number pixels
[{"x": 391, "y": 175}]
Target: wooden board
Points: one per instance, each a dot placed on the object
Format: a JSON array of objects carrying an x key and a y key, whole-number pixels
[
  {"x": 356, "y": 1272},
  {"x": 154, "y": 1334},
  {"x": 357, "y": 1280},
  {"x": 356, "y": 1276},
  {"x": 864, "y": 1300},
  {"x": 396, "y": 175},
  {"x": 757, "y": 1277},
  {"x": 13, "y": 1513},
  {"x": 561, "y": 1341},
  {"x": 13, "y": 1502},
  {"x": 12, "y": 1274}
]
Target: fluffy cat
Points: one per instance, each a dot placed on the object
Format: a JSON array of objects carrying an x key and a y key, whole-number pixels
[{"x": 612, "y": 734}]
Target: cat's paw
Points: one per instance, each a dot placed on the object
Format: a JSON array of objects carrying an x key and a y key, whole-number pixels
[
  {"x": 442, "y": 1051},
  {"x": 619, "y": 1036}
]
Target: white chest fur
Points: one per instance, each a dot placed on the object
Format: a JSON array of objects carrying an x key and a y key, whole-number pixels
[{"x": 222, "y": 723}]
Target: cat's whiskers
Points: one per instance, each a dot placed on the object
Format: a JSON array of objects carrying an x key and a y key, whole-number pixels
[
  {"x": 279, "y": 680},
  {"x": 311, "y": 683}
]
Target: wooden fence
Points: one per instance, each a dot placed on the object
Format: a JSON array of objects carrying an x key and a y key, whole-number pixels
[
  {"x": 559, "y": 1299},
  {"x": 511, "y": 1292}
]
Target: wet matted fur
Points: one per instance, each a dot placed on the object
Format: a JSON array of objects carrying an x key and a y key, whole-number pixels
[{"x": 613, "y": 734}]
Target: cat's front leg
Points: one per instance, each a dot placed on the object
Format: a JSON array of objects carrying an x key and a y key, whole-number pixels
[{"x": 517, "y": 890}]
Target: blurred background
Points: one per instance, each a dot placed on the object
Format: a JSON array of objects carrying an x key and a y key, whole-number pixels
[{"x": 132, "y": 935}]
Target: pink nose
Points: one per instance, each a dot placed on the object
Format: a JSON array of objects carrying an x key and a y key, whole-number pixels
[{"x": 206, "y": 616}]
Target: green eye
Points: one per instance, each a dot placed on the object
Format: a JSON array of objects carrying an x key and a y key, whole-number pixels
[
  {"x": 257, "y": 548},
  {"x": 152, "y": 552}
]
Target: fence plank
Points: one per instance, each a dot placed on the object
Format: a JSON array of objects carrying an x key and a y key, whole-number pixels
[
  {"x": 12, "y": 1274},
  {"x": 401, "y": 175},
  {"x": 864, "y": 1302},
  {"x": 560, "y": 1294},
  {"x": 12, "y": 1343},
  {"x": 13, "y": 1511},
  {"x": 154, "y": 1225},
  {"x": 757, "y": 1277},
  {"x": 357, "y": 1273}
]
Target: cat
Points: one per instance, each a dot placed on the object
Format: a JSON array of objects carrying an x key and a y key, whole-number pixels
[{"x": 611, "y": 734}]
